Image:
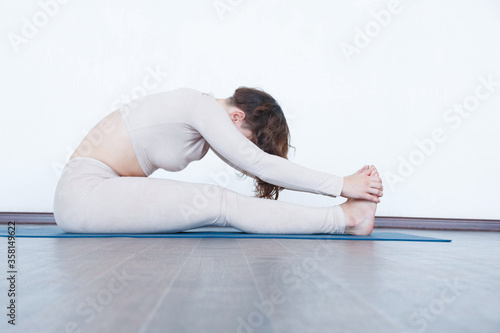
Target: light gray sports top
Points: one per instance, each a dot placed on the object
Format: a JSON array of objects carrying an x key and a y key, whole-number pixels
[{"x": 171, "y": 129}]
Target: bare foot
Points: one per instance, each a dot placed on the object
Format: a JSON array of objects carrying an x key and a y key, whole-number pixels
[{"x": 359, "y": 216}]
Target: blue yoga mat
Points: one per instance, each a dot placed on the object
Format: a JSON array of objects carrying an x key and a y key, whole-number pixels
[{"x": 213, "y": 232}]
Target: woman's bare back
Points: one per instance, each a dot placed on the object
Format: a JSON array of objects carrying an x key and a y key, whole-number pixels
[{"x": 108, "y": 141}]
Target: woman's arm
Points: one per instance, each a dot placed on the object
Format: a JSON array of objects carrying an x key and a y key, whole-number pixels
[{"x": 212, "y": 121}]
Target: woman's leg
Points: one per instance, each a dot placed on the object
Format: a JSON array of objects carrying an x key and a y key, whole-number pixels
[
  {"x": 256, "y": 215},
  {"x": 105, "y": 202},
  {"x": 139, "y": 204}
]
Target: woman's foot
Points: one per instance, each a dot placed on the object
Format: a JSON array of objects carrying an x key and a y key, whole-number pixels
[{"x": 359, "y": 216}]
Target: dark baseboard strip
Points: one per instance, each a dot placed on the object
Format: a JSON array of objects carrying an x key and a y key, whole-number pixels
[
  {"x": 380, "y": 222},
  {"x": 436, "y": 223},
  {"x": 21, "y": 218}
]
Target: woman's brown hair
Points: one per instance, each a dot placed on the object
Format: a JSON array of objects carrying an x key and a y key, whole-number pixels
[{"x": 265, "y": 119}]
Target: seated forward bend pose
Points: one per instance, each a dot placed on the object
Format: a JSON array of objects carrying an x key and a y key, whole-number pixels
[{"x": 105, "y": 188}]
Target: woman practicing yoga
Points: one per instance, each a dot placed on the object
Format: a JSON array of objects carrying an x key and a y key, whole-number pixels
[{"x": 105, "y": 188}]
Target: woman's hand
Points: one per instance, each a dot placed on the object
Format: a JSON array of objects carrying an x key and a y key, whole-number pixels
[{"x": 363, "y": 184}]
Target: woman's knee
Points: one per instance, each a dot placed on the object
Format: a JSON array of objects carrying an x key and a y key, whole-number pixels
[{"x": 204, "y": 202}]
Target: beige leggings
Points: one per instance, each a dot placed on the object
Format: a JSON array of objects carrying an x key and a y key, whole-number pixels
[{"x": 91, "y": 197}]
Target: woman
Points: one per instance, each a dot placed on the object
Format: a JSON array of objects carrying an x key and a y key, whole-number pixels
[{"x": 104, "y": 187}]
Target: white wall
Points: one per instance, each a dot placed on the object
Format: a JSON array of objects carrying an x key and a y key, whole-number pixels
[{"x": 344, "y": 111}]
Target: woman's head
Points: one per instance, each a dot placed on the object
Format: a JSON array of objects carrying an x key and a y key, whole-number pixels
[{"x": 266, "y": 121}]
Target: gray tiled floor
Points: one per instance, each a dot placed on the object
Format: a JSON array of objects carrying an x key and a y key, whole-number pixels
[{"x": 257, "y": 285}]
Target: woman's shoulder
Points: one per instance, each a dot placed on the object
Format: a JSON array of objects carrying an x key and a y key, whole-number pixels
[
  {"x": 194, "y": 92},
  {"x": 197, "y": 99},
  {"x": 187, "y": 98}
]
